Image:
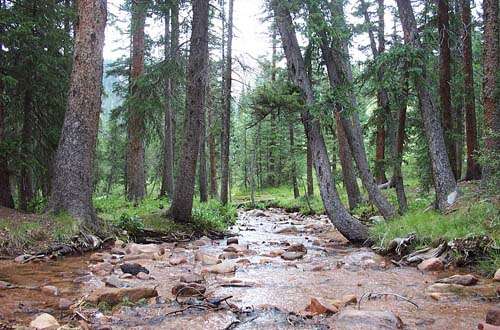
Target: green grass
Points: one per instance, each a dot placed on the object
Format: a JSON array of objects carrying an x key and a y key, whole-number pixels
[
  {"x": 151, "y": 214},
  {"x": 473, "y": 219}
]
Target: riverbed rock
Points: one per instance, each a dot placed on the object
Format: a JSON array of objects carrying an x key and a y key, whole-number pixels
[
  {"x": 134, "y": 248},
  {"x": 229, "y": 255},
  {"x": 114, "y": 296},
  {"x": 496, "y": 277},
  {"x": 188, "y": 290},
  {"x": 143, "y": 276},
  {"x": 232, "y": 240},
  {"x": 287, "y": 230},
  {"x": 22, "y": 258},
  {"x": 431, "y": 264},
  {"x": 50, "y": 290},
  {"x": 192, "y": 278},
  {"x": 296, "y": 247},
  {"x": 367, "y": 320},
  {"x": 237, "y": 248},
  {"x": 258, "y": 213},
  {"x": 115, "y": 282},
  {"x": 44, "y": 322},
  {"x": 65, "y": 303},
  {"x": 133, "y": 268},
  {"x": 206, "y": 259},
  {"x": 177, "y": 260},
  {"x": 222, "y": 268},
  {"x": 292, "y": 255},
  {"x": 493, "y": 315},
  {"x": 202, "y": 241},
  {"x": 465, "y": 280},
  {"x": 99, "y": 257},
  {"x": 273, "y": 253},
  {"x": 317, "y": 307}
]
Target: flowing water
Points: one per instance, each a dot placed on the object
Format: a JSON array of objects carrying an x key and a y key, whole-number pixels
[{"x": 266, "y": 291}]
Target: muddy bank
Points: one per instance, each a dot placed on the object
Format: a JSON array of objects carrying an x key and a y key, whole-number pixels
[{"x": 279, "y": 271}]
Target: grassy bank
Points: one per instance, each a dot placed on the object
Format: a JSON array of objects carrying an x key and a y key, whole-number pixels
[{"x": 32, "y": 233}]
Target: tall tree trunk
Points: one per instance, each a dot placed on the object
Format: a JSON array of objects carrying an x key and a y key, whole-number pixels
[
  {"x": 445, "y": 82},
  {"x": 167, "y": 185},
  {"x": 202, "y": 168},
  {"x": 348, "y": 171},
  {"x": 226, "y": 111},
  {"x": 309, "y": 171},
  {"x": 26, "y": 178},
  {"x": 397, "y": 178},
  {"x": 491, "y": 90},
  {"x": 136, "y": 174},
  {"x": 293, "y": 170},
  {"x": 473, "y": 171},
  {"x": 339, "y": 73},
  {"x": 212, "y": 151},
  {"x": 350, "y": 227},
  {"x": 5, "y": 192},
  {"x": 444, "y": 180},
  {"x": 72, "y": 181},
  {"x": 197, "y": 76}
]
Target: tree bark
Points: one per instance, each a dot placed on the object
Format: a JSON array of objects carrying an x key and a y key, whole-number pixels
[
  {"x": 491, "y": 91},
  {"x": 348, "y": 170},
  {"x": 136, "y": 173},
  {"x": 473, "y": 171},
  {"x": 197, "y": 75},
  {"x": 226, "y": 111},
  {"x": 444, "y": 180},
  {"x": 212, "y": 151},
  {"x": 339, "y": 73},
  {"x": 5, "y": 192},
  {"x": 72, "y": 182},
  {"x": 26, "y": 178},
  {"x": 445, "y": 82},
  {"x": 202, "y": 168},
  {"x": 397, "y": 178},
  {"x": 167, "y": 186},
  {"x": 309, "y": 171},
  {"x": 293, "y": 170},
  {"x": 350, "y": 227}
]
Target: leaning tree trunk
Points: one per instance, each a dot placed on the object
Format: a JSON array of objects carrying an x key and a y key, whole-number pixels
[
  {"x": 473, "y": 171},
  {"x": 293, "y": 168},
  {"x": 167, "y": 185},
  {"x": 226, "y": 111},
  {"x": 136, "y": 173},
  {"x": 309, "y": 171},
  {"x": 339, "y": 73},
  {"x": 348, "y": 171},
  {"x": 72, "y": 181},
  {"x": 397, "y": 178},
  {"x": 197, "y": 77},
  {"x": 491, "y": 91},
  {"x": 444, "y": 180},
  {"x": 350, "y": 227},
  {"x": 445, "y": 82}
]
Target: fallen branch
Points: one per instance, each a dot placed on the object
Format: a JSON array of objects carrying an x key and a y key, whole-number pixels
[{"x": 369, "y": 294}]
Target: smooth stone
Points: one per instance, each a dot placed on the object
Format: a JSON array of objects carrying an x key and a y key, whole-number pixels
[
  {"x": 351, "y": 319},
  {"x": 465, "y": 280},
  {"x": 222, "y": 268},
  {"x": 44, "y": 322},
  {"x": 133, "y": 268},
  {"x": 292, "y": 255},
  {"x": 50, "y": 290},
  {"x": 192, "y": 278},
  {"x": 177, "y": 260},
  {"x": 114, "y": 296},
  {"x": 65, "y": 304},
  {"x": 232, "y": 240},
  {"x": 431, "y": 264}
]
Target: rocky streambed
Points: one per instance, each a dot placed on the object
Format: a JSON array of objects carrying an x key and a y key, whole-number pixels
[{"x": 278, "y": 271}]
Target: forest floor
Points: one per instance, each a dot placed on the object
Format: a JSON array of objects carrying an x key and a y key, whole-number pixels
[{"x": 276, "y": 270}]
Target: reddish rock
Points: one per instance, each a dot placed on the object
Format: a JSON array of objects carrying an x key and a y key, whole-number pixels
[
  {"x": 432, "y": 264},
  {"x": 493, "y": 315},
  {"x": 65, "y": 304},
  {"x": 465, "y": 280},
  {"x": 44, "y": 322},
  {"x": 192, "y": 278},
  {"x": 317, "y": 307},
  {"x": 297, "y": 247},
  {"x": 222, "y": 268},
  {"x": 496, "y": 278},
  {"x": 292, "y": 255},
  {"x": 188, "y": 290},
  {"x": 50, "y": 290},
  {"x": 114, "y": 296},
  {"x": 232, "y": 240},
  {"x": 177, "y": 260}
]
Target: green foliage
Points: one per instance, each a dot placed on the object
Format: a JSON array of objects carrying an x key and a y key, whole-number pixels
[
  {"x": 132, "y": 224},
  {"x": 473, "y": 219}
]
